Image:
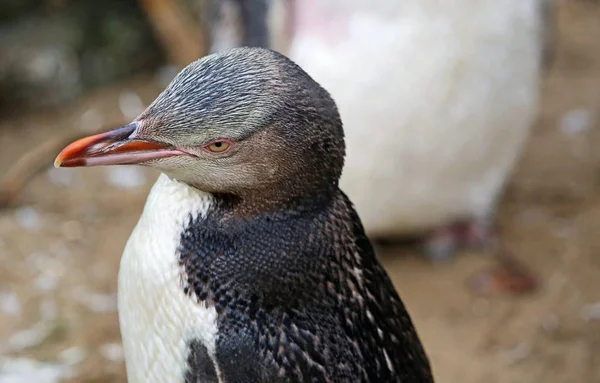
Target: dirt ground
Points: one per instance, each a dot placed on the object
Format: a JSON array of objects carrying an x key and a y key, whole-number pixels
[{"x": 59, "y": 251}]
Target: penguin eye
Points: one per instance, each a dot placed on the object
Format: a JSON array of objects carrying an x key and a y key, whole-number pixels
[{"x": 218, "y": 146}]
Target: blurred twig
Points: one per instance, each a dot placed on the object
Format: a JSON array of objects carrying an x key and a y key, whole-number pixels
[
  {"x": 37, "y": 160},
  {"x": 182, "y": 41},
  {"x": 31, "y": 163}
]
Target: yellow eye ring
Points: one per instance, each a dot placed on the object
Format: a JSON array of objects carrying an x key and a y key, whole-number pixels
[{"x": 218, "y": 146}]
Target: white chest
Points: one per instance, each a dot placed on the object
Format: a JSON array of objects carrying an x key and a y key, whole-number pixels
[{"x": 157, "y": 319}]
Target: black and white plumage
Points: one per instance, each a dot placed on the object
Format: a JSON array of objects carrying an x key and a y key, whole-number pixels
[{"x": 248, "y": 263}]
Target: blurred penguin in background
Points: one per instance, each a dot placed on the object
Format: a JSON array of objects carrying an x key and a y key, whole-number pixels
[{"x": 437, "y": 99}]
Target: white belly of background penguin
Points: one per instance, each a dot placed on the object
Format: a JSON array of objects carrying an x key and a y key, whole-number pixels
[
  {"x": 248, "y": 264},
  {"x": 437, "y": 99}
]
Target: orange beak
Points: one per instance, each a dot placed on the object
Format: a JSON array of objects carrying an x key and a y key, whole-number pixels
[{"x": 114, "y": 147}]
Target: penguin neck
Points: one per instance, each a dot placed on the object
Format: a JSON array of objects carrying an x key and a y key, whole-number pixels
[
  {"x": 236, "y": 249},
  {"x": 249, "y": 205},
  {"x": 182, "y": 222}
]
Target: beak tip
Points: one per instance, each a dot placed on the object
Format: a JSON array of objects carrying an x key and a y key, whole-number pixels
[{"x": 58, "y": 162}]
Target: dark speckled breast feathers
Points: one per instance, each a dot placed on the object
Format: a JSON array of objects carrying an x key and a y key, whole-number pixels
[{"x": 279, "y": 253}]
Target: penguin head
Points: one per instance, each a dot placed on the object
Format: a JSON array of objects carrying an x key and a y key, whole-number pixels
[{"x": 239, "y": 122}]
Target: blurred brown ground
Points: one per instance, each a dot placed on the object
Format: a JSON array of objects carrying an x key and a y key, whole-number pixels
[{"x": 59, "y": 252}]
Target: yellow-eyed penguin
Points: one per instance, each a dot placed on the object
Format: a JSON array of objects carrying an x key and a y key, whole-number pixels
[{"x": 248, "y": 263}]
